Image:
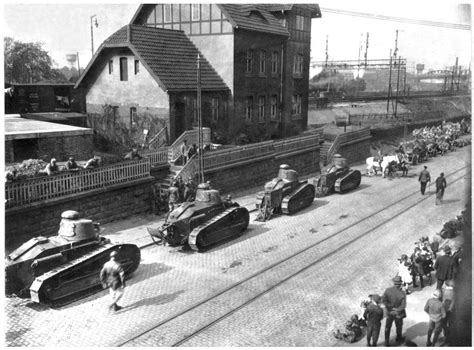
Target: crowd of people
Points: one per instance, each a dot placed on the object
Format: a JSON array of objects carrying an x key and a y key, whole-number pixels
[
  {"x": 178, "y": 192},
  {"x": 427, "y": 257}
]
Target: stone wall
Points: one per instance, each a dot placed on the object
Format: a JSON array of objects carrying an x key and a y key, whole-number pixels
[
  {"x": 256, "y": 172},
  {"x": 104, "y": 205},
  {"x": 79, "y": 146},
  {"x": 355, "y": 151}
]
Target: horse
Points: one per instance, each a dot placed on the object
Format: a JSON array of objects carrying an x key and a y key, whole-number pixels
[{"x": 373, "y": 165}]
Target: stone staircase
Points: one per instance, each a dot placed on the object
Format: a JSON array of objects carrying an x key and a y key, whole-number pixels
[
  {"x": 323, "y": 152},
  {"x": 166, "y": 182}
]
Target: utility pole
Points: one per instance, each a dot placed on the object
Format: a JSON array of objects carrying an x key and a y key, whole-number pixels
[
  {"x": 366, "y": 49},
  {"x": 78, "y": 65},
  {"x": 453, "y": 74},
  {"x": 398, "y": 81},
  {"x": 327, "y": 39},
  {"x": 389, "y": 83},
  {"x": 200, "y": 140},
  {"x": 396, "y": 45},
  {"x": 92, "y": 32}
]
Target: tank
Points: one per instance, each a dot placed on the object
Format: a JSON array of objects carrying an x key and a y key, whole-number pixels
[
  {"x": 203, "y": 223},
  {"x": 60, "y": 269},
  {"x": 338, "y": 178},
  {"x": 284, "y": 195}
]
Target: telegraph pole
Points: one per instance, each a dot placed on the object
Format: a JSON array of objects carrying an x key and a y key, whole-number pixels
[
  {"x": 366, "y": 49},
  {"x": 200, "y": 140},
  {"x": 389, "y": 82}
]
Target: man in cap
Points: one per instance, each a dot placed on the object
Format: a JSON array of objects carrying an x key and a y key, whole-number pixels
[
  {"x": 444, "y": 267},
  {"x": 394, "y": 299},
  {"x": 423, "y": 179},
  {"x": 373, "y": 314},
  {"x": 113, "y": 276},
  {"x": 435, "y": 309},
  {"x": 440, "y": 186},
  {"x": 71, "y": 164}
]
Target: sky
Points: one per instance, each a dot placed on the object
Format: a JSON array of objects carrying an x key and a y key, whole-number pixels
[{"x": 65, "y": 28}]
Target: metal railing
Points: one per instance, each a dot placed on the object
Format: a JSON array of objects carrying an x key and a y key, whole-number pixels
[
  {"x": 157, "y": 157},
  {"x": 38, "y": 189},
  {"x": 156, "y": 141},
  {"x": 343, "y": 138}
]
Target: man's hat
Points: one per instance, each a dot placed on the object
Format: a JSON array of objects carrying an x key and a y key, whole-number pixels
[
  {"x": 376, "y": 298},
  {"x": 437, "y": 293},
  {"x": 397, "y": 280},
  {"x": 447, "y": 249},
  {"x": 113, "y": 254},
  {"x": 442, "y": 174}
]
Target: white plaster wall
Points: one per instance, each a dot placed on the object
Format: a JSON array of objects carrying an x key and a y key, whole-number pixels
[
  {"x": 141, "y": 89},
  {"x": 219, "y": 51}
]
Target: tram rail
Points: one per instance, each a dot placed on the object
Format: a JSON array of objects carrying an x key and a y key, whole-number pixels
[{"x": 377, "y": 218}]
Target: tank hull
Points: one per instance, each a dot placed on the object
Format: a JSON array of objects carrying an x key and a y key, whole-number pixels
[{"x": 341, "y": 181}]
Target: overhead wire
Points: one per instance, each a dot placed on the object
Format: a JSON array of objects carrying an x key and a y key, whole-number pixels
[{"x": 398, "y": 19}]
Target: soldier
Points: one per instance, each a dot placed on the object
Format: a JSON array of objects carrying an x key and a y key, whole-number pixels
[
  {"x": 423, "y": 179},
  {"x": 394, "y": 300},
  {"x": 113, "y": 276},
  {"x": 173, "y": 196},
  {"x": 440, "y": 186}
]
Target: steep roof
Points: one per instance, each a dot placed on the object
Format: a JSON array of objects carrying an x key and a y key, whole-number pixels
[
  {"x": 312, "y": 9},
  {"x": 253, "y": 17},
  {"x": 169, "y": 56}
]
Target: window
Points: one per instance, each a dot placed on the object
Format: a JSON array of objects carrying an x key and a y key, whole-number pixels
[
  {"x": 261, "y": 108},
  {"x": 273, "y": 106},
  {"x": 123, "y": 69},
  {"x": 215, "y": 109},
  {"x": 296, "y": 105},
  {"x": 248, "y": 108},
  {"x": 275, "y": 62},
  {"x": 137, "y": 67},
  {"x": 133, "y": 115},
  {"x": 195, "y": 14},
  {"x": 249, "y": 61},
  {"x": 111, "y": 66},
  {"x": 167, "y": 13},
  {"x": 298, "y": 64},
  {"x": 299, "y": 22},
  {"x": 263, "y": 56}
]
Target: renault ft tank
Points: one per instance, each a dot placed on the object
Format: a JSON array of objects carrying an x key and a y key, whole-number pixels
[
  {"x": 338, "y": 178},
  {"x": 202, "y": 223},
  {"x": 284, "y": 194},
  {"x": 60, "y": 269}
]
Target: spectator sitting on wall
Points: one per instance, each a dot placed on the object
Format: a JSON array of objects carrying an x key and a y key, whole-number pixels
[
  {"x": 71, "y": 164},
  {"x": 92, "y": 163},
  {"x": 132, "y": 155},
  {"x": 52, "y": 168}
]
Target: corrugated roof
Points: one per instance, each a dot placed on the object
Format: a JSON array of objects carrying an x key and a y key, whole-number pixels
[
  {"x": 253, "y": 17},
  {"x": 168, "y": 54}
]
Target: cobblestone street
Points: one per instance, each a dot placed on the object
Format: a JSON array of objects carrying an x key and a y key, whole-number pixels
[{"x": 355, "y": 246}]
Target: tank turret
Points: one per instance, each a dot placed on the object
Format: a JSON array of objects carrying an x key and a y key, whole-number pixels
[
  {"x": 59, "y": 269},
  {"x": 284, "y": 194},
  {"x": 205, "y": 222},
  {"x": 338, "y": 178}
]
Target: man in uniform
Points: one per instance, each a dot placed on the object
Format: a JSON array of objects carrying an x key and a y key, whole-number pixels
[
  {"x": 394, "y": 299},
  {"x": 423, "y": 179},
  {"x": 440, "y": 186},
  {"x": 173, "y": 196},
  {"x": 113, "y": 276}
]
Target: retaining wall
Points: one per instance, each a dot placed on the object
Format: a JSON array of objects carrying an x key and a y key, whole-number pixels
[
  {"x": 256, "y": 172},
  {"x": 104, "y": 205}
]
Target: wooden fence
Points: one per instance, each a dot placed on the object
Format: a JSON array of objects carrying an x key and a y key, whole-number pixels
[{"x": 38, "y": 189}]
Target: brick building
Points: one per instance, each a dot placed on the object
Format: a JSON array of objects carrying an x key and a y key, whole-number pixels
[{"x": 260, "y": 51}]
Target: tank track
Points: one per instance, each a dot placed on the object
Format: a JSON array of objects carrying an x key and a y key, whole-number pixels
[
  {"x": 217, "y": 229},
  {"x": 349, "y": 182},
  {"x": 49, "y": 289},
  {"x": 300, "y": 198}
]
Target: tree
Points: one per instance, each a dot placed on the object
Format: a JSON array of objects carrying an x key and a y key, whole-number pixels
[{"x": 28, "y": 63}]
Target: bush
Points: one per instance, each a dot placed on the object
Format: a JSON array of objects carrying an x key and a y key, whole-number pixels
[{"x": 26, "y": 169}]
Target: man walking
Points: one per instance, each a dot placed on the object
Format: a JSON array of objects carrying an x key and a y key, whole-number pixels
[
  {"x": 373, "y": 314},
  {"x": 444, "y": 267},
  {"x": 394, "y": 300},
  {"x": 435, "y": 309},
  {"x": 440, "y": 186},
  {"x": 113, "y": 276},
  {"x": 423, "y": 179}
]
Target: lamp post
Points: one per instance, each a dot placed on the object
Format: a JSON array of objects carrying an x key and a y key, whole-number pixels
[{"x": 92, "y": 31}]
